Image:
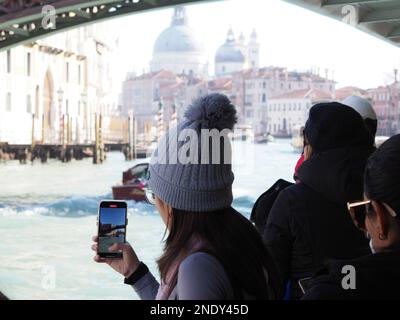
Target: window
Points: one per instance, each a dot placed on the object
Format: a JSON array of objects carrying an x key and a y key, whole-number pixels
[
  {"x": 8, "y": 61},
  {"x": 28, "y": 103},
  {"x": 28, "y": 64},
  {"x": 223, "y": 69},
  {"x": 8, "y": 101},
  {"x": 264, "y": 97},
  {"x": 79, "y": 74},
  {"x": 264, "y": 85}
]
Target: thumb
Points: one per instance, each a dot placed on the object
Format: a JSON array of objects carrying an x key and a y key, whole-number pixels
[{"x": 118, "y": 246}]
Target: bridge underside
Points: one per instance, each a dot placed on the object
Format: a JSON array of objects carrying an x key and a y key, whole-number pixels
[
  {"x": 380, "y": 18},
  {"x": 23, "y": 21}
]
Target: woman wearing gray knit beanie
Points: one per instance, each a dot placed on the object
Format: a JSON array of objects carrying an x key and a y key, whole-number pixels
[{"x": 212, "y": 252}]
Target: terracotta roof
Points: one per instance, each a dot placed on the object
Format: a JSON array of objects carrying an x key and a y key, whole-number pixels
[
  {"x": 314, "y": 94},
  {"x": 345, "y": 92},
  {"x": 220, "y": 84}
]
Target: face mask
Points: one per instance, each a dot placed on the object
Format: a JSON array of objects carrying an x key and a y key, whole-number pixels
[{"x": 371, "y": 247}]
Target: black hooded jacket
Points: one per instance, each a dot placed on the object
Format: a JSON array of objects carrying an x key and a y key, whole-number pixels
[
  {"x": 377, "y": 276},
  {"x": 309, "y": 221}
]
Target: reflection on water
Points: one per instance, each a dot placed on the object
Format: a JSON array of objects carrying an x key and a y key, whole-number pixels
[{"x": 48, "y": 215}]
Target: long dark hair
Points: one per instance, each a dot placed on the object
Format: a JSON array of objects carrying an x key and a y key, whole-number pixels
[{"x": 232, "y": 239}]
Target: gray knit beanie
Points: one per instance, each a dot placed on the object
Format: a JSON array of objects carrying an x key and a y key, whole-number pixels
[{"x": 195, "y": 185}]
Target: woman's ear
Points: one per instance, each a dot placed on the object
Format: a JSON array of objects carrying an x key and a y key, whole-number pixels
[
  {"x": 381, "y": 220},
  {"x": 169, "y": 210}
]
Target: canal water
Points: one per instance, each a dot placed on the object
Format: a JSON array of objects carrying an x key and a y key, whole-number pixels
[{"x": 48, "y": 216}]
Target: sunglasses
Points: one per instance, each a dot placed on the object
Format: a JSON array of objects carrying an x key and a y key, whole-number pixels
[
  {"x": 359, "y": 209},
  {"x": 150, "y": 196},
  {"x": 358, "y": 212}
]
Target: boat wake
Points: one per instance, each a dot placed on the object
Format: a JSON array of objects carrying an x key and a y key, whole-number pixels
[{"x": 75, "y": 207}]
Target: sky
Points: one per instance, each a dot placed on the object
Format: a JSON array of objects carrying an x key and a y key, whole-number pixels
[
  {"x": 112, "y": 216},
  {"x": 290, "y": 36}
]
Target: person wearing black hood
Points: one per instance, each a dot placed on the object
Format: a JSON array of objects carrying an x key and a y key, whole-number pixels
[
  {"x": 377, "y": 275},
  {"x": 309, "y": 221}
]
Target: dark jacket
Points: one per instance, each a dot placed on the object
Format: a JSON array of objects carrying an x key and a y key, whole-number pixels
[
  {"x": 309, "y": 221},
  {"x": 377, "y": 276}
]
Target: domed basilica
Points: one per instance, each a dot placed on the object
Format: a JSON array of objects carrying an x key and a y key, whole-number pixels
[{"x": 178, "y": 50}]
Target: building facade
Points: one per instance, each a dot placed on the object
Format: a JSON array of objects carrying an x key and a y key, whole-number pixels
[
  {"x": 385, "y": 100},
  {"x": 56, "y": 83},
  {"x": 290, "y": 111}
]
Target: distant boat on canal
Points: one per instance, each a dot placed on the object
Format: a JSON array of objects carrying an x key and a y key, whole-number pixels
[{"x": 134, "y": 182}]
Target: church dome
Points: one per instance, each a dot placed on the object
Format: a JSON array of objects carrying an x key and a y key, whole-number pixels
[
  {"x": 230, "y": 51},
  {"x": 179, "y": 37}
]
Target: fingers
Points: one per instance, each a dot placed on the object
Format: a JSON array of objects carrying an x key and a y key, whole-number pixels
[
  {"x": 95, "y": 239},
  {"x": 95, "y": 247},
  {"x": 98, "y": 259}
]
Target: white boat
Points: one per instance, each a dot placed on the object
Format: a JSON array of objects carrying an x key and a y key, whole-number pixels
[
  {"x": 298, "y": 138},
  {"x": 263, "y": 138},
  {"x": 243, "y": 132}
]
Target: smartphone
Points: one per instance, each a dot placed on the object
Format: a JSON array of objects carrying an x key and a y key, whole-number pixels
[{"x": 112, "y": 221}]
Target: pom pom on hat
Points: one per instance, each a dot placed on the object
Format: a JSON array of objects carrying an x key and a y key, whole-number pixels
[{"x": 214, "y": 111}]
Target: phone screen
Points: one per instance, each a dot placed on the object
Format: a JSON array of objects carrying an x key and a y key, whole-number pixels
[{"x": 112, "y": 222}]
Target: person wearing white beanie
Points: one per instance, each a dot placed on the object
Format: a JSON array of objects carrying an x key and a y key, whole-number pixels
[{"x": 366, "y": 110}]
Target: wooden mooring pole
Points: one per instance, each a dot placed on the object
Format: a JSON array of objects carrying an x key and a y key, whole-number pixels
[
  {"x": 131, "y": 152},
  {"x": 98, "y": 152}
]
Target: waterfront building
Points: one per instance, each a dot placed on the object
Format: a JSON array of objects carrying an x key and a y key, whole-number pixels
[
  {"x": 176, "y": 78},
  {"x": 53, "y": 88},
  {"x": 144, "y": 95},
  {"x": 254, "y": 88},
  {"x": 385, "y": 101},
  {"x": 289, "y": 111}
]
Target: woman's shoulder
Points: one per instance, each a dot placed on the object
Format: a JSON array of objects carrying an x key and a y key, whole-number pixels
[
  {"x": 201, "y": 261},
  {"x": 201, "y": 275}
]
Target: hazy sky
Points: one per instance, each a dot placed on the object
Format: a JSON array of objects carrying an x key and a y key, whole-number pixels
[{"x": 290, "y": 36}]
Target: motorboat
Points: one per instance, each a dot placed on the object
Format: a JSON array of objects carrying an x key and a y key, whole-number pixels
[{"x": 134, "y": 182}]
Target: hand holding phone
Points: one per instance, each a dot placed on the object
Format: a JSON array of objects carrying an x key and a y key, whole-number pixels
[
  {"x": 120, "y": 255},
  {"x": 125, "y": 266},
  {"x": 112, "y": 221}
]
